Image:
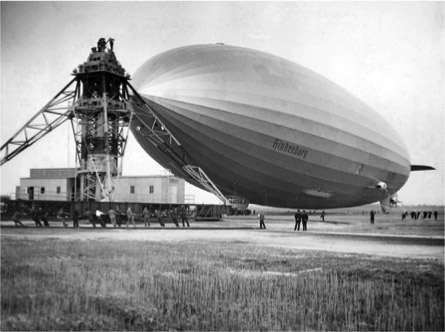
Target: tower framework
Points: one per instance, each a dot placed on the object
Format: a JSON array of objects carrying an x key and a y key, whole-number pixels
[
  {"x": 96, "y": 101},
  {"x": 100, "y": 103},
  {"x": 103, "y": 120}
]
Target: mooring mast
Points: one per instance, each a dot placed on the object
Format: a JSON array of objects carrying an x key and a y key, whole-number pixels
[
  {"x": 96, "y": 101},
  {"x": 100, "y": 107},
  {"x": 103, "y": 122}
]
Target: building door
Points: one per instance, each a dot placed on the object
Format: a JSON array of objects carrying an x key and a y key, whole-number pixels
[{"x": 30, "y": 193}]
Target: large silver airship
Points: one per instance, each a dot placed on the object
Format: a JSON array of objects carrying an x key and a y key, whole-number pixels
[{"x": 269, "y": 130}]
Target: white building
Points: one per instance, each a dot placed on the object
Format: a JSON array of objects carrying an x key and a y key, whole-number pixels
[
  {"x": 58, "y": 184},
  {"x": 51, "y": 184},
  {"x": 149, "y": 189}
]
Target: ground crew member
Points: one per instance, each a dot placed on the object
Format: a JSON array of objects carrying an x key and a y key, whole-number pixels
[
  {"x": 35, "y": 217},
  {"x": 90, "y": 217},
  {"x": 183, "y": 214},
  {"x": 372, "y": 214},
  {"x": 99, "y": 218},
  {"x": 174, "y": 217},
  {"x": 304, "y": 219},
  {"x": 76, "y": 217},
  {"x": 44, "y": 216},
  {"x": 118, "y": 216},
  {"x": 146, "y": 215},
  {"x": 297, "y": 217},
  {"x": 262, "y": 217},
  {"x": 112, "y": 215},
  {"x": 61, "y": 217},
  {"x": 16, "y": 219},
  {"x": 159, "y": 217},
  {"x": 130, "y": 216}
]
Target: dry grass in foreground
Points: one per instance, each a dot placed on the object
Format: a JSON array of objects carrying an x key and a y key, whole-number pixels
[{"x": 123, "y": 285}]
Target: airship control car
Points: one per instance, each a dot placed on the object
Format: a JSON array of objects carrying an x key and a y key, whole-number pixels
[{"x": 269, "y": 130}]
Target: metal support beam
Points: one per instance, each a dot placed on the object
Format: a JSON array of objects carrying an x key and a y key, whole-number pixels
[
  {"x": 159, "y": 135},
  {"x": 58, "y": 110},
  {"x": 198, "y": 174}
]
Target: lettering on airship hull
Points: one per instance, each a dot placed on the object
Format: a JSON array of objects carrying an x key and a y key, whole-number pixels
[
  {"x": 289, "y": 148},
  {"x": 318, "y": 193}
]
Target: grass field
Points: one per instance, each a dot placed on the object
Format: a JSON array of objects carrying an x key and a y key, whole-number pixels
[{"x": 55, "y": 284}]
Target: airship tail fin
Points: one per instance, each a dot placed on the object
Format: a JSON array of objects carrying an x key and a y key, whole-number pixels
[
  {"x": 415, "y": 168},
  {"x": 385, "y": 204}
]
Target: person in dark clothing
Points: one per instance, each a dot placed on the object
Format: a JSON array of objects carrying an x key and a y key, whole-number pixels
[
  {"x": 118, "y": 216},
  {"x": 174, "y": 217},
  {"x": 91, "y": 217},
  {"x": 159, "y": 217},
  {"x": 304, "y": 219},
  {"x": 111, "y": 41},
  {"x": 183, "y": 214},
  {"x": 16, "y": 219},
  {"x": 35, "y": 217},
  {"x": 61, "y": 216},
  {"x": 75, "y": 217},
  {"x": 44, "y": 217},
  {"x": 262, "y": 217},
  {"x": 99, "y": 218},
  {"x": 101, "y": 44},
  {"x": 146, "y": 217},
  {"x": 372, "y": 214},
  {"x": 435, "y": 215},
  {"x": 297, "y": 217}
]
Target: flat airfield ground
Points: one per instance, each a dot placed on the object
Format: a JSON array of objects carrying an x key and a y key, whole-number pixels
[
  {"x": 388, "y": 236},
  {"x": 342, "y": 274}
]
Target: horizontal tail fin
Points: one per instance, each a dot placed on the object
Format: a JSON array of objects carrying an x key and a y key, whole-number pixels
[{"x": 421, "y": 168}]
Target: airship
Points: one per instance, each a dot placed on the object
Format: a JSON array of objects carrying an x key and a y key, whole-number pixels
[{"x": 269, "y": 130}]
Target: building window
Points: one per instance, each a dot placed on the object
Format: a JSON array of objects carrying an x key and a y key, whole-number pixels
[
  {"x": 152, "y": 189},
  {"x": 131, "y": 189},
  {"x": 58, "y": 190},
  {"x": 42, "y": 190}
]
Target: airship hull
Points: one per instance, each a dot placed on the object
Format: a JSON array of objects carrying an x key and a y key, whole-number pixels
[{"x": 269, "y": 130}]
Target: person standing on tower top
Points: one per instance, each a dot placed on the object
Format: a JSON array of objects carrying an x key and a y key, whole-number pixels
[
  {"x": 101, "y": 44},
  {"x": 111, "y": 41}
]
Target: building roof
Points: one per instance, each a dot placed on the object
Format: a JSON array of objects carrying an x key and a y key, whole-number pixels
[{"x": 52, "y": 173}]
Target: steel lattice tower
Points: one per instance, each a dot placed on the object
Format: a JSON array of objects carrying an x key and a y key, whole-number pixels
[
  {"x": 103, "y": 122},
  {"x": 101, "y": 105}
]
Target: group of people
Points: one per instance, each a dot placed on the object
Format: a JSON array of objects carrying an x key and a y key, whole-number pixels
[
  {"x": 146, "y": 215},
  {"x": 419, "y": 215},
  {"x": 160, "y": 216},
  {"x": 301, "y": 218},
  {"x": 38, "y": 215}
]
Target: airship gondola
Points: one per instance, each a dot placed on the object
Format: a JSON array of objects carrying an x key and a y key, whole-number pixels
[{"x": 269, "y": 130}]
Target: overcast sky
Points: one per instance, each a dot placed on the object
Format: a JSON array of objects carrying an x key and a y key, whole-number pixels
[{"x": 389, "y": 54}]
